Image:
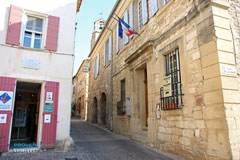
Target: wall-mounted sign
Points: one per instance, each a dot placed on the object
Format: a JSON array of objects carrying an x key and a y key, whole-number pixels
[
  {"x": 85, "y": 69},
  {"x": 128, "y": 104},
  {"x": 3, "y": 118},
  {"x": 158, "y": 111},
  {"x": 167, "y": 86},
  {"x": 47, "y": 118},
  {"x": 30, "y": 63},
  {"x": 20, "y": 120},
  {"x": 6, "y": 100},
  {"x": 49, "y": 96},
  {"x": 48, "y": 106},
  {"x": 229, "y": 70}
]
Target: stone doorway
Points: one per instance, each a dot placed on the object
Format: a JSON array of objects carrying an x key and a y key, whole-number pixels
[
  {"x": 103, "y": 108},
  {"x": 94, "y": 110}
]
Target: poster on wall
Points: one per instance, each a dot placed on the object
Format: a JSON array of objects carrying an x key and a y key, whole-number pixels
[
  {"x": 3, "y": 118},
  {"x": 20, "y": 119},
  {"x": 6, "y": 100},
  {"x": 47, "y": 118},
  {"x": 49, "y": 96}
]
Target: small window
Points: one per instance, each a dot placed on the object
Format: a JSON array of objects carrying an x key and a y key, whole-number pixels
[
  {"x": 121, "y": 107},
  {"x": 171, "y": 92},
  {"x": 33, "y": 33}
]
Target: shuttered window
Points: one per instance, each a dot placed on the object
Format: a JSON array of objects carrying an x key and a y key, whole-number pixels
[
  {"x": 125, "y": 37},
  {"x": 131, "y": 20},
  {"x": 144, "y": 11},
  {"x": 117, "y": 44},
  {"x": 153, "y": 6},
  {"x": 96, "y": 65},
  {"x": 110, "y": 48}
]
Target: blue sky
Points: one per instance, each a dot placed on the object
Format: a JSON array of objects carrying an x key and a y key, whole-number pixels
[{"x": 89, "y": 12}]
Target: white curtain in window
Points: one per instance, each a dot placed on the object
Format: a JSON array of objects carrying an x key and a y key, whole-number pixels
[
  {"x": 117, "y": 39},
  {"x": 125, "y": 37},
  {"x": 154, "y": 6},
  {"x": 144, "y": 12},
  {"x": 95, "y": 67},
  {"x": 110, "y": 48},
  {"x": 131, "y": 23}
]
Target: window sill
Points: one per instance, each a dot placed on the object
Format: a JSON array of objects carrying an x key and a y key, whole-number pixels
[{"x": 33, "y": 49}]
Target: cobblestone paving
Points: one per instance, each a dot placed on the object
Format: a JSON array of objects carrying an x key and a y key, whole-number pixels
[{"x": 95, "y": 143}]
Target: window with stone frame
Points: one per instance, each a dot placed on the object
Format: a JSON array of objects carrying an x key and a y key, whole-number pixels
[{"x": 171, "y": 92}]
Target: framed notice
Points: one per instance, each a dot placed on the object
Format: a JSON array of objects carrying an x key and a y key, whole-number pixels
[
  {"x": 3, "y": 118},
  {"x": 20, "y": 119},
  {"x": 6, "y": 100},
  {"x": 47, "y": 118},
  {"x": 167, "y": 86}
]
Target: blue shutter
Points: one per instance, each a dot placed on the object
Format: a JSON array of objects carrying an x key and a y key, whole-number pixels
[
  {"x": 154, "y": 6},
  {"x": 110, "y": 48},
  {"x": 131, "y": 23},
  {"x": 117, "y": 49},
  {"x": 144, "y": 11},
  {"x": 125, "y": 37},
  {"x": 104, "y": 58}
]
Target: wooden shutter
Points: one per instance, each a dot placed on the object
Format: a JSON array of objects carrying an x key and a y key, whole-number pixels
[
  {"x": 49, "y": 128},
  {"x": 125, "y": 37},
  {"x": 14, "y": 25},
  {"x": 144, "y": 11},
  {"x": 52, "y": 33},
  {"x": 131, "y": 22},
  {"x": 154, "y": 6},
  {"x": 110, "y": 48},
  {"x": 6, "y": 84},
  {"x": 117, "y": 44}
]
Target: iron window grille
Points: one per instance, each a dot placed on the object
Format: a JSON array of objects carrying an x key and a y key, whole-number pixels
[{"x": 172, "y": 65}]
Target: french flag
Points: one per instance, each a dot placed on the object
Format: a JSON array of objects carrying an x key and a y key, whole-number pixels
[{"x": 124, "y": 27}]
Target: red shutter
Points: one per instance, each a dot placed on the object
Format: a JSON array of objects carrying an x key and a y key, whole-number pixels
[
  {"x": 14, "y": 25},
  {"x": 52, "y": 33},
  {"x": 6, "y": 84},
  {"x": 49, "y": 129}
]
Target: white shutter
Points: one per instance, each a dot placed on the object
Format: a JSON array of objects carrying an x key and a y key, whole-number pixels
[
  {"x": 117, "y": 49},
  {"x": 104, "y": 58},
  {"x": 125, "y": 37},
  {"x": 144, "y": 11},
  {"x": 154, "y": 6},
  {"x": 98, "y": 60},
  {"x": 95, "y": 67},
  {"x": 131, "y": 23},
  {"x": 110, "y": 48}
]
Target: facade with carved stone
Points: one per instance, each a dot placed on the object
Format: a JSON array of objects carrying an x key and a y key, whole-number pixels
[{"x": 175, "y": 87}]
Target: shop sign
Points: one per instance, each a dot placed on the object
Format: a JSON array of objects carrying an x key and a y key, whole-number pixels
[
  {"x": 6, "y": 100},
  {"x": 3, "y": 118}
]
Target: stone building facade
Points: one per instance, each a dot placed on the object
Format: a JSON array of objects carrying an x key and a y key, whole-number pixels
[
  {"x": 175, "y": 86},
  {"x": 80, "y": 90}
]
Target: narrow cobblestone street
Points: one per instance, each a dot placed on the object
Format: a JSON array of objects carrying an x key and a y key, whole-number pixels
[{"x": 95, "y": 143}]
